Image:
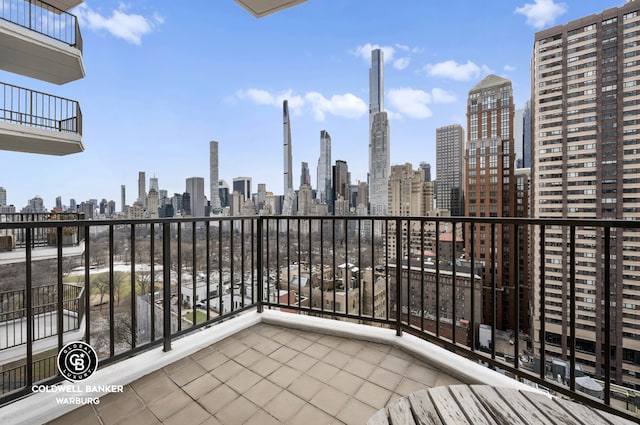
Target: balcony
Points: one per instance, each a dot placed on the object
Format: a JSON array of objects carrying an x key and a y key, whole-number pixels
[
  {"x": 286, "y": 319},
  {"x": 41, "y": 41},
  {"x": 36, "y": 122}
]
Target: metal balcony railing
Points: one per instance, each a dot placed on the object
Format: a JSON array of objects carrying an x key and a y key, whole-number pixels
[
  {"x": 44, "y": 19},
  {"x": 40, "y": 237},
  {"x": 148, "y": 282},
  {"x": 35, "y": 109}
]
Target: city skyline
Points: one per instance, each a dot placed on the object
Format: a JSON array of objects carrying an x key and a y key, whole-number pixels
[{"x": 145, "y": 109}]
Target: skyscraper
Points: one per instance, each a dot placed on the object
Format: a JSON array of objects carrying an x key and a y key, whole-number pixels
[
  {"x": 195, "y": 189},
  {"x": 376, "y": 84},
  {"x": 242, "y": 185},
  {"x": 286, "y": 145},
  {"x": 305, "y": 174},
  {"x": 522, "y": 136},
  {"x": 491, "y": 192},
  {"x": 142, "y": 191},
  {"x": 449, "y": 164},
  {"x": 3, "y": 196},
  {"x": 123, "y": 198},
  {"x": 153, "y": 184},
  {"x": 341, "y": 189},
  {"x": 379, "y": 164},
  {"x": 585, "y": 162},
  {"x": 426, "y": 167},
  {"x": 214, "y": 191},
  {"x": 324, "y": 169},
  {"x": 379, "y": 149}
]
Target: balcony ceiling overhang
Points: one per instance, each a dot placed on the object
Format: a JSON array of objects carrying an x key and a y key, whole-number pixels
[
  {"x": 260, "y": 8},
  {"x": 65, "y": 5},
  {"x": 34, "y": 55},
  {"x": 21, "y": 138}
]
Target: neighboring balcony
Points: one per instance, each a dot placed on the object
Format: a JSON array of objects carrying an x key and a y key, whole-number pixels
[
  {"x": 278, "y": 319},
  {"x": 36, "y": 122},
  {"x": 41, "y": 41}
]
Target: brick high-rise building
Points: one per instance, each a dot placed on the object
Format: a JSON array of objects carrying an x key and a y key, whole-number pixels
[
  {"x": 491, "y": 192},
  {"x": 585, "y": 162}
]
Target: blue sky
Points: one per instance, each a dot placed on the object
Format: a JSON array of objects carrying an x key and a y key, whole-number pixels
[{"x": 164, "y": 78}]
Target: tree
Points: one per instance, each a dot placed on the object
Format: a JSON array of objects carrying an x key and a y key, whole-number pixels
[{"x": 101, "y": 283}]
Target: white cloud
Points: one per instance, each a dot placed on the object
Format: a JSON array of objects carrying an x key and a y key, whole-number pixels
[
  {"x": 390, "y": 53},
  {"x": 442, "y": 96},
  {"x": 509, "y": 68},
  {"x": 364, "y": 51},
  {"x": 343, "y": 105},
  {"x": 410, "y": 102},
  {"x": 542, "y": 12},
  {"x": 401, "y": 63},
  {"x": 457, "y": 71},
  {"x": 128, "y": 26},
  {"x": 414, "y": 103}
]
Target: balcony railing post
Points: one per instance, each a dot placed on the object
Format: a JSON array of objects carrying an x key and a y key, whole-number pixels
[
  {"x": 166, "y": 284},
  {"x": 259, "y": 266},
  {"x": 399, "y": 278}
]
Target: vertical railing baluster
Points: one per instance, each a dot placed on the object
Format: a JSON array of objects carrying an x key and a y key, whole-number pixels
[
  {"x": 493, "y": 290},
  {"x": 437, "y": 312},
  {"x": 152, "y": 280},
  {"x": 194, "y": 277},
  {"x": 207, "y": 225},
  {"x": 112, "y": 322},
  {"x": 134, "y": 298},
  {"x": 29, "y": 308},
  {"x": 422, "y": 306},
  {"x": 472, "y": 277},
  {"x": 572, "y": 307},
  {"x": 516, "y": 344},
  {"x": 60, "y": 291},
  {"x": 541, "y": 337},
  {"x": 399, "y": 277},
  {"x": 259, "y": 265},
  {"x": 179, "y": 272},
  {"x": 607, "y": 315},
  {"x": 454, "y": 286},
  {"x": 166, "y": 284}
]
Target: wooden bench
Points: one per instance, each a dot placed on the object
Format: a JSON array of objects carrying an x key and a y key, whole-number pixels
[{"x": 484, "y": 404}]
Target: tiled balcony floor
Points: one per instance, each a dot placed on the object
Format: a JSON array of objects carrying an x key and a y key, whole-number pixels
[{"x": 268, "y": 374}]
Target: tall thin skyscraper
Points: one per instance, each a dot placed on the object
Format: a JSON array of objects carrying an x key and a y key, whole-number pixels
[
  {"x": 449, "y": 165},
  {"x": 142, "y": 185},
  {"x": 214, "y": 188},
  {"x": 123, "y": 198},
  {"x": 376, "y": 84},
  {"x": 324, "y": 169},
  {"x": 286, "y": 136},
  {"x": 426, "y": 167},
  {"x": 3, "y": 196},
  {"x": 585, "y": 161},
  {"x": 195, "y": 189},
  {"x": 379, "y": 149}
]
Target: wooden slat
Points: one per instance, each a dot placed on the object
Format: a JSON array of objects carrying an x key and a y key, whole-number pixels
[
  {"x": 473, "y": 408},
  {"x": 379, "y": 418},
  {"x": 447, "y": 406},
  {"x": 424, "y": 409},
  {"x": 498, "y": 408},
  {"x": 617, "y": 420},
  {"x": 584, "y": 414},
  {"x": 523, "y": 407},
  {"x": 551, "y": 409},
  {"x": 400, "y": 412}
]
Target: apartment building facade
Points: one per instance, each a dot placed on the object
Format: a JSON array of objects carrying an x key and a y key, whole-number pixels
[{"x": 586, "y": 164}]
